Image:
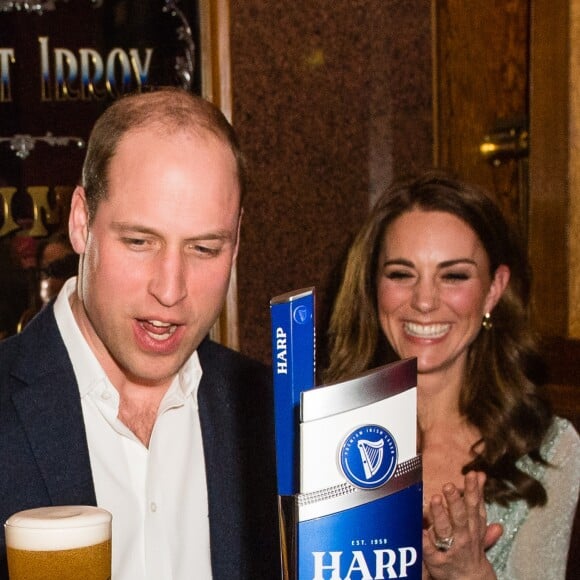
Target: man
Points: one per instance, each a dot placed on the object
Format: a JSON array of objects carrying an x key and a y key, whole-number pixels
[{"x": 113, "y": 396}]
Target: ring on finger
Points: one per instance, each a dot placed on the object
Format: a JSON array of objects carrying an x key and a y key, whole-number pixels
[{"x": 444, "y": 544}]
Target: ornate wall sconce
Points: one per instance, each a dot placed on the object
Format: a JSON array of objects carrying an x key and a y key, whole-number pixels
[
  {"x": 24, "y": 6},
  {"x": 37, "y": 7},
  {"x": 22, "y": 145},
  {"x": 184, "y": 65}
]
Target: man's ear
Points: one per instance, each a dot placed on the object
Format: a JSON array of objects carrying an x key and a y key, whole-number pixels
[
  {"x": 78, "y": 221},
  {"x": 501, "y": 278}
]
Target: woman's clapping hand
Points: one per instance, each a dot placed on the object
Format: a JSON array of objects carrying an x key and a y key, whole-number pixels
[{"x": 454, "y": 545}]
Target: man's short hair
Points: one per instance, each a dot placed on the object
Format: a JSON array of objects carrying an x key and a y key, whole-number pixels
[{"x": 168, "y": 110}]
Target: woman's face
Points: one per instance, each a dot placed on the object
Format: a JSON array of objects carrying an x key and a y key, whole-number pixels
[{"x": 433, "y": 289}]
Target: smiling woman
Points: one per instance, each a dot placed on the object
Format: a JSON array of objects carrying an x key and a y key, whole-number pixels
[
  {"x": 436, "y": 273},
  {"x": 433, "y": 291}
]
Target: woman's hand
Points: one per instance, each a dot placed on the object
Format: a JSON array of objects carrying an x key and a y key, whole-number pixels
[{"x": 454, "y": 546}]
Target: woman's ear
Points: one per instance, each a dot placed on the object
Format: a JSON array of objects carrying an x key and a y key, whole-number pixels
[
  {"x": 499, "y": 283},
  {"x": 78, "y": 221}
]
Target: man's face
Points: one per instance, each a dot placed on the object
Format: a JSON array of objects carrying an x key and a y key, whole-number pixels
[{"x": 156, "y": 260}]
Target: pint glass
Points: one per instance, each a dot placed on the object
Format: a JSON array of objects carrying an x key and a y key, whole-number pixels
[{"x": 59, "y": 543}]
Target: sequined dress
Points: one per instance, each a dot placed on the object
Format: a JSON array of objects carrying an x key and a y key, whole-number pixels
[{"x": 534, "y": 543}]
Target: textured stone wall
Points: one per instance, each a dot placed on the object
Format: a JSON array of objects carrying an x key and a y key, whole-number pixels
[{"x": 332, "y": 99}]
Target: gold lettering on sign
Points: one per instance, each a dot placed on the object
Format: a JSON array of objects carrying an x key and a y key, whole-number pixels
[
  {"x": 66, "y": 72},
  {"x": 6, "y": 59},
  {"x": 92, "y": 67},
  {"x": 39, "y": 195},
  {"x": 7, "y": 193},
  {"x": 88, "y": 75},
  {"x": 43, "y": 212}
]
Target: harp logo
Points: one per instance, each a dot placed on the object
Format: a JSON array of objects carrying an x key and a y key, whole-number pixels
[
  {"x": 368, "y": 456},
  {"x": 300, "y": 314}
]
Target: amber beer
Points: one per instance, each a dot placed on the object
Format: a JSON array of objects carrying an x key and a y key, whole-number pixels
[{"x": 59, "y": 543}]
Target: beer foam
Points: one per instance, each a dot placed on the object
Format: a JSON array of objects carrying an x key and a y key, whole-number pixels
[{"x": 58, "y": 528}]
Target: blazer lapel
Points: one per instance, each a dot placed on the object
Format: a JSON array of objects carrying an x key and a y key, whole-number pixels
[
  {"x": 47, "y": 402},
  {"x": 218, "y": 418}
]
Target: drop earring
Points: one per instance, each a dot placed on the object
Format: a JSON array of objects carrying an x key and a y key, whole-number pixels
[{"x": 486, "y": 322}]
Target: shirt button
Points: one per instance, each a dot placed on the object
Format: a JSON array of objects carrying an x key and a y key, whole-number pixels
[
  {"x": 153, "y": 506},
  {"x": 105, "y": 395}
]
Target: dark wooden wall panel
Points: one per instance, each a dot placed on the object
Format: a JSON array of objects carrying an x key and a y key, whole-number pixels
[
  {"x": 481, "y": 55},
  {"x": 549, "y": 184}
]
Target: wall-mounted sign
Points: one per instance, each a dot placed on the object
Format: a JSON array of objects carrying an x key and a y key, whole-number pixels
[{"x": 61, "y": 64}]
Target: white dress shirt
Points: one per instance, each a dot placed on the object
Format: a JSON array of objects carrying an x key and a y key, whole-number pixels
[{"x": 157, "y": 495}]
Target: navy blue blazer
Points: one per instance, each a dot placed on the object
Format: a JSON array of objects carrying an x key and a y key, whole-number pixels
[{"x": 44, "y": 458}]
